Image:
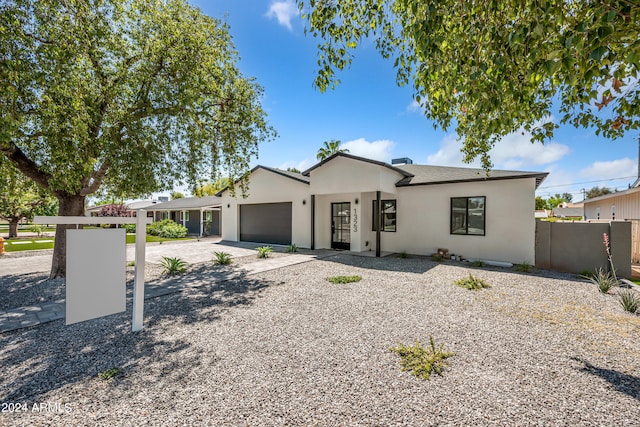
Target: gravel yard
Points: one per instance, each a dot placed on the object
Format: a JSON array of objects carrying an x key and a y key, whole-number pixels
[{"x": 286, "y": 347}]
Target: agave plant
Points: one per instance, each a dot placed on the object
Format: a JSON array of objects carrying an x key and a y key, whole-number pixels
[
  {"x": 173, "y": 266},
  {"x": 264, "y": 251},
  {"x": 222, "y": 258},
  {"x": 604, "y": 280}
]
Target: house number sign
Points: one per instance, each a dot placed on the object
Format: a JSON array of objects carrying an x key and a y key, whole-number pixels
[{"x": 355, "y": 220}]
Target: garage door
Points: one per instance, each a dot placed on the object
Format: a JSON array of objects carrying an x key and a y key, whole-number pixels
[{"x": 266, "y": 223}]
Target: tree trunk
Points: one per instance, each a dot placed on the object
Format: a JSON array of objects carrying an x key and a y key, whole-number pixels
[
  {"x": 13, "y": 228},
  {"x": 69, "y": 205}
]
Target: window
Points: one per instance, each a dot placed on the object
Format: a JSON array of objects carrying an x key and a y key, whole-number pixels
[
  {"x": 388, "y": 215},
  {"x": 468, "y": 215},
  {"x": 184, "y": 216},
  {"x": 208, "y": 216}
]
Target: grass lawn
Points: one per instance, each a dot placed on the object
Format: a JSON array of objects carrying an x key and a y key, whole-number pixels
[{"x": 15, "y": 245}]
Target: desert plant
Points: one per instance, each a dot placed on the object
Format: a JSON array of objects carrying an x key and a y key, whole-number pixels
[
  {"x": 343, "y": 279},
  {"x": 472, "y": 283},
  {"x": 586, "y": 274},
  {"x": 604, "y": 280},
  {"x": 422, "y": 362},
  {"x": 222, "y": 258},
  {"x": 131, "y": 264},
  {"x": 264, "y": 251},
  {"x": 109, "y": 373},
  {"x": 607, "y": 247},
  {"x": 173, "y": 266},
  {"x": 629, "y": 300},
  {"x": 292, "y": 248},
  {"x": 404, "y": 254},
  {"x": 476, "y": 263},
  {"x": 524, "y": 267},
  {"x": 437, "y": 258}
]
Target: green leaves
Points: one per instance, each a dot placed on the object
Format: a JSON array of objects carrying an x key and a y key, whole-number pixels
[{"x": 506, "y": 62}]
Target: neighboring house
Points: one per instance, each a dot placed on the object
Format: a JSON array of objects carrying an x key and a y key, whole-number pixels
[
  {"x": 623, "y": 205},
  {"x": 201, "y": 215},
  {"x": 335, "y": 204},
  {"x": 566, "y": 210},
  {"x": 541, "y": 213}
]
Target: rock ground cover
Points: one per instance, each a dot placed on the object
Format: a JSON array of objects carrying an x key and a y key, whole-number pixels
[{"x": 286, "y": 347}]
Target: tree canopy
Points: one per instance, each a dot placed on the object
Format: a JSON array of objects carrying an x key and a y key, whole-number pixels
[
  {"x": 329, "y": 148},
  {"x": 20, "y": 198},
  {"x": 211, "y": 189},
  {"x": 597, "y": 192},
  {"x": 130, "y": 95},
  {"x": 490, "y": 68}
]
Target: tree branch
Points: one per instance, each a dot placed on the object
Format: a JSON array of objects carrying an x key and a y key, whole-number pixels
[
  {"x": 96, "y": 179},
  {"x": 25, "y": 165}
]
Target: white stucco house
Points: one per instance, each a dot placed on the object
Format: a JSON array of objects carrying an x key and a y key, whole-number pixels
[{"x": 357, "y": 204}]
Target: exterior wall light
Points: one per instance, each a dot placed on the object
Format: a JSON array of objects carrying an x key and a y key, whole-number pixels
[
  {"x": 357, "y": 200},
  {"x": 304, "y": 201},
  {"x": 228, "y": 205}
]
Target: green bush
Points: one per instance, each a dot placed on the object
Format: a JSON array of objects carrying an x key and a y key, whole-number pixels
[
  {"x": 292, "y": 248},
  {"x": 524, "y": 267},
  {"x": 130, "y": 228},
  {"x": 264, "y": 251},
  {"x": 476, "y": 264},
  {"x": 167, "y": 229},
  {"x": 472, "y": 283},
  {"x": 36, "y": 228},
  {"x": 437, "y": 258},
  {"x": 343, "y": 279},
  {"x": 422, "y": 362},
  {"x": 108, "y": 374}
]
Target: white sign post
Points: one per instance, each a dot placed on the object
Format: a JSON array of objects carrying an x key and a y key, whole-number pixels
[{"x": 141, "y": 222}]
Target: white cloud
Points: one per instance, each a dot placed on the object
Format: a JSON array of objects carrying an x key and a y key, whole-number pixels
[
  {"x": 283, "y": 11},
  {"x": 414, "y": 107},
  {"x": 514, "y": 151},
  {"x": 611, "y": 169},
  {"x": 376, "y": 150},
  {"x": 301, "y": 166}
]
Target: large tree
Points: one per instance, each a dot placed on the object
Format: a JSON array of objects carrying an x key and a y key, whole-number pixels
[
  {"x": 597, "y": 192},
  {"x": 491, "y": 68},
  {"x": 131, "y": 95},
  {"x": 20, "y": 198}
]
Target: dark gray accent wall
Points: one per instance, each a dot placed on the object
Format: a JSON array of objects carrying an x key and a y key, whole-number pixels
[
  {"x": 575, "y": 247},
  {"x": 266, "y": 223}
]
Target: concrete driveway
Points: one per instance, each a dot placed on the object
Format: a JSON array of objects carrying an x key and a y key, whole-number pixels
[{"x": 192, "y": 251}]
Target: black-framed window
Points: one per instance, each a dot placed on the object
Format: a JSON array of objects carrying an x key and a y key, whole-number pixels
[
  {"x": 468, "y": 215},
  {"x": 388, "y": 215}
]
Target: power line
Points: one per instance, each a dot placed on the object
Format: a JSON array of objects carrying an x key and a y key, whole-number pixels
[{"x": 586, "y": 182}]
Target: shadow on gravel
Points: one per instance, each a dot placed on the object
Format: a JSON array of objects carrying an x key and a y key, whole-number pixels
[
  {"x": 627, "y": 384},
  {"x": 413, "y": 264},
  {"x": 30, "y": 288},
  {"x": 50, "y": 356}
]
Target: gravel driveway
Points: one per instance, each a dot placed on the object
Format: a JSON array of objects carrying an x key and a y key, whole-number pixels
[{"x": 286, "y": 347}]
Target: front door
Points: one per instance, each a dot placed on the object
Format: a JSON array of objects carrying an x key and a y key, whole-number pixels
[{"x": 341, "y": 225}]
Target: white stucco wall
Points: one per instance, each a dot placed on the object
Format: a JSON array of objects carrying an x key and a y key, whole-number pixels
[
  {"x": 269, "y": 187},
  {"x": 423, "y": 221},
  {"x": 345, "y": 175}
]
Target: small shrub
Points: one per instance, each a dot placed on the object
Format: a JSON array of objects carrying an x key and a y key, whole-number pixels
[
  {"x": 131, "y": 263},
  {"x": 477, "y": 263},
  {"x": 343, "y": 279},
  {"x": 404, "y": 254},
  {"x": 222, "y": 258},
  {"x": 422, "y": 362},
  {"x": 37, "y": 228},
  {"x": 130, "y": 228},
  {"x": 292, "y": 248},
  {"x": 629, "y": 300},
  {"x": 173, "y": 266},
  {"x": 604, "y": 280},
  {"x": 524, "y": 267},
  {"x": 109, "y": 373},
  {"x": 586, "y": 274},
  {"x": 437, "y": 258},
  {"x": 472, "y": 283},
  {"x": 167, "y": 229},
  {"x": 264, "y": 251}
]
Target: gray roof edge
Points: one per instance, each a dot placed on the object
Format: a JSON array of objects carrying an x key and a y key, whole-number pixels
[
  {"x": 362, "y": 159},
  {"x": 539, "y": 176}
]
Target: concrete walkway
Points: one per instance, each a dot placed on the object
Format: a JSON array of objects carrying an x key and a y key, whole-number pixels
[{"x": 193, "y": 252}]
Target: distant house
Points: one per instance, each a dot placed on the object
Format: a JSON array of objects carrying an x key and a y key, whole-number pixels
[
  {"x": 622, "y": 205},
  {"x": 201, "y": 215},
  {"x": 569, "y": 210},
  {"x": 356, "y": 204}
]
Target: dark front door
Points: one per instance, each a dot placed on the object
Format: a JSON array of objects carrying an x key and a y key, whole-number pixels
[{"x": 341, "y": 225}]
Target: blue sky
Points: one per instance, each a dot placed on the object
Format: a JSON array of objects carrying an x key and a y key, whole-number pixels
[{"x": 375, "y": 118}]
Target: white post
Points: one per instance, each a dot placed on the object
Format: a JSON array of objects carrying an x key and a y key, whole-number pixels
[
  {"x": 138, "y": 284},
  {"x": 201, "y": 222}
]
